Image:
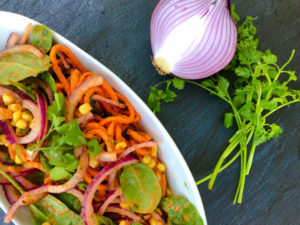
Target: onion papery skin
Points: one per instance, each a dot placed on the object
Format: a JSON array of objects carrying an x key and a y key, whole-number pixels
[{"x": 192, "y": 39}]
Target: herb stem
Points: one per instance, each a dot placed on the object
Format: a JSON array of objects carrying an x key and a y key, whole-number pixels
[
  {"x": 12, "y": 181},
  {"x": 279, "y": 107}
]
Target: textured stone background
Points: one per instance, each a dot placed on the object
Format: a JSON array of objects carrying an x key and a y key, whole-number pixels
[{"x": 116, "y": 32}]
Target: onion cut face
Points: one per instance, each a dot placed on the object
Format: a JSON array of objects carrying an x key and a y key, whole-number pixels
[
  {"x": 78, "y": 176},
  {"x": 192, "y": 39},
  {"x": 87, "y": 207}
]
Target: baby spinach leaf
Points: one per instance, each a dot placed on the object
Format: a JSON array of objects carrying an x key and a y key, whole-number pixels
[
  {"x": 141, "y": 187},
  {"x": 17, "y": 67},
  {"x": 56, "y": 212},
  {"x": 47, "y": 77},
  {"x": 180, "y": 211},
  {"x": 42, "y": 37},
  {"x": 102, "y": 220},
  {"x": 71, "y": 201}
]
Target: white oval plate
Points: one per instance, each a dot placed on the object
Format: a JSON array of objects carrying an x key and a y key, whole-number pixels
[{"x": 179, "y": 176}]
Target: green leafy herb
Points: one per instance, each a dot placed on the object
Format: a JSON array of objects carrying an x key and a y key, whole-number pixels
[
  {"x": 180, "y": 211},
  {"x": 102, "y": 220},
  {"x": 59, "y": 173},
  {"x": 94, "y": 148},
  {"x": 71, "y": 201},
  {"x": 26, "y": 89},
  {"x": 140, "y": 187},
  {"x": 42, "y": 37},
  {"x": 17, "y": 67},
  {"x": 82, "y": 185},
  {"x": 260, "y": 88},
  {"x": 47, "y": 77}
]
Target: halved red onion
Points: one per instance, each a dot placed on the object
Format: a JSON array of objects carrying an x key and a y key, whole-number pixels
[
  {"x": 12, "y": 40},
  {"x": 78, "y": 92},
  {"x": 158, "y": 217},
  {"x": 24, "y": 182},
  {"x": 137, "y": 146},
  {"x": 85, "y": 118},
  {"x": 108, "y": 101},
  {"x": 22, "y": 49},
  {"x": 109, "y": 199},
  {"x": 107, "y": 157},
  {"x": 26, "y": 198},
  {"x": 192, "y": 39},
  {"x": 37, "y": 123},
  {"x": 11, "y": 193},
  {"x": 87, "y": 208},
  {"x": 77, "y": 193},
  {"x": 78, "y": 176},
  {"x": 8, "y": 131},
  {"x": 46, "y": 89},
  {"x": 124, "y": 212}
]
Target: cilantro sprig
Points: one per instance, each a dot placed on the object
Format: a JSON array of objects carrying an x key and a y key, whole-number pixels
[{"x": 260, "y": 88}]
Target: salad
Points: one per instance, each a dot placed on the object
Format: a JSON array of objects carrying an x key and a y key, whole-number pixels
[{"x": 71, "y": 148}]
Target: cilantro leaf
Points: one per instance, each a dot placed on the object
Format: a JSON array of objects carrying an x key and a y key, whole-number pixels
[
  {"x": 228, "y": 120},
  {"x": 94, "y": 148},
  {"x": 56, "y": 111},
  {"x": 71, "y": 134},
  {"x": 178, "y": 83},
  {"x": 59, "y": 173}
]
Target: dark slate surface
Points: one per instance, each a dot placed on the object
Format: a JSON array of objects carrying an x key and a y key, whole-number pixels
[{"x": 116, "y": 32}]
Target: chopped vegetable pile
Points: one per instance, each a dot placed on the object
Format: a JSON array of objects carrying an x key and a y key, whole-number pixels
[
  {"x": 71, "y": 147},
  {"x": 259, "y": 89}
]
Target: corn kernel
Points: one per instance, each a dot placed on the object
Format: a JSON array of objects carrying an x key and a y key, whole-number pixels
[
  {"x": 5, "y": 114},
  {"x": 121, "y": 145},
  {"x": 124, "y": 205},
  {"x": 153, "y": 221},
  {"x": 8, "y": 98},
  {"x": 169, "y": 193},
  {"x": 161, "y": 167},
  {"x": 17, "y": 115},
  {"x": 31, "y": 124},
  {"x": 22, "y": 132},
  {"x": 152, "y": 163},
  {"x": 18, "y": 160},
  {"x": 2, "y": 117},
  {"x": 21, "y": 123},
  {"x": 13, "y": 123},
  {"x": 3, "y": 140},
  {"x": 15, "y": 107},
  {"x": 93, "y": 163},
  {"x": 154, "y": 151},
  {"x": 158, "y": 210},
  {"x": 27, "y": 116},
  {"x": 85, "y": 108},
  {"x": 47, "y": 223},
  {"x": 123, "y": 222},
  {"x": 147, "y": 159}
]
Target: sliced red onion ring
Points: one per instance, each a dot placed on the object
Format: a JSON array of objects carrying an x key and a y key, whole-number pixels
[
  {"x": 78, "y": 176},
  {"x": 37, "y": 123},
  {"x": 77, "y": 193},
  {"x": 107, "y": 157},
  {"x": 22, "y": 49},
  {"x": 78, "y": 92},
  {"x": 26, "y": 198},
  {"x": 12, "y": 40},
  {"x": 85, "y": 118},
  {"x": 8, "y": 131},
  {"x": 24, "y": 182},
  {"x": 4, "y": 90},
  {"x": 46, "y": 89},
  {"x": 17, "y": 171},
  {"x": 63, "y": 57},
  {"x": 124, "y": 212},
  {"x": 158, "y": 217},
  {"x": 78, "y": 152},
  {"x": 3, "y": 181},
  {"x": 11, "y": 193},
  {"x": 108, "y": 101},
  {"x": 137, "y": 146},
  {"x": 109, "y": 199},
  {"x": 87, "y": 208},
  {"x": 112, "y": 181}
]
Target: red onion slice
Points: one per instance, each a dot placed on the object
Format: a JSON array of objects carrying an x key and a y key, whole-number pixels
[
  {"x": 109, "y": 199},
  {"x": 78, "y": 151},
  {"x": 3, "y": 181},
  {"x": 22, "y": 49},
  {"x": 24, "y": 182},
  {"x": 36, "y": 129},
  {"x": 4, "y": 90},
  {"x": 85, "y": 118},
  {"x": 192, "y": 39},
  {"x": 12, "y": 40},
  {"x": 46, "y": 89},
  {"x": 112, "y": 181},
  {"x": 107, "y": 157},
  {"x": 78, "y": 92},
  {"x": 108, "y": 101},
  {"x": 8, "y": 131},
  {"x": 77, "y": 193},
  {"x": 87, "y": 208},
  {"x": 137, "y": 146},
  {"x": 26, "y": 198},
  {"x": 78, "y": 176},
  {"x": 17, "y": 171},
  {"x": 11, "y": 193},
  {"x": 158, "y": 217},
  {"x": 124, "y": 212}
]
